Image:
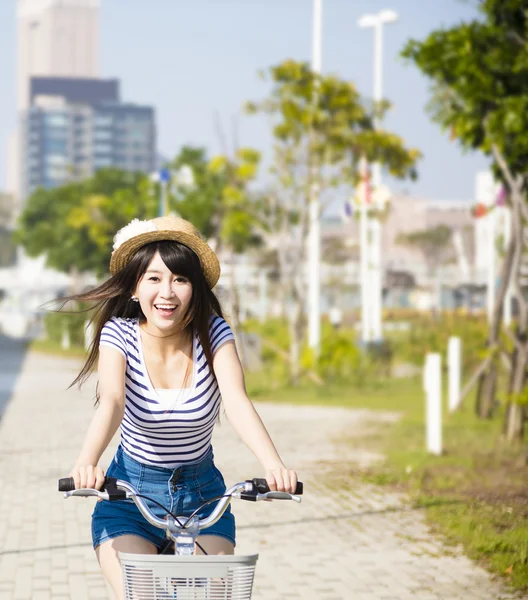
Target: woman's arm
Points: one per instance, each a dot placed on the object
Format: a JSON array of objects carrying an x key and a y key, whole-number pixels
[
  {"x": 107, "y": 418},
  {"x": 245, "y": 419}
]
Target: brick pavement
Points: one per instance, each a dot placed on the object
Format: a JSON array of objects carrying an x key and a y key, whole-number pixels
[{"x": 371, "y": 546}]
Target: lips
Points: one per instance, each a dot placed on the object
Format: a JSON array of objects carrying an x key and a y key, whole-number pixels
[{"x": 165, "y": 309}]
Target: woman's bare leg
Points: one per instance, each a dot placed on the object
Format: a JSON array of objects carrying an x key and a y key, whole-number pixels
[
  {"x": 109, "y": 560},
  {"x": 214, "y": 544}
]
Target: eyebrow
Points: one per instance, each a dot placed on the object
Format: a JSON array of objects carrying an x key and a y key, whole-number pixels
[{"x": 161, "y": 272}]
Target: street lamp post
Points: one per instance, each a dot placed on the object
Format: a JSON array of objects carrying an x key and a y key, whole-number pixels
[
  {"x": 183, "y": 177},
  {"x": 375, "y": 279},
  {"x": 314, "y": 241}
]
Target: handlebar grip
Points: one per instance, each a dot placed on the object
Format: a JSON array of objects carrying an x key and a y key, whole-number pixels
[
  {"x": 263, "y": 487},
  {"x": 66, "y": 484}
]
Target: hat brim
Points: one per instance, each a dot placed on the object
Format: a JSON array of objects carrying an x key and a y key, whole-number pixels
[{"x": 208, "y": 259}]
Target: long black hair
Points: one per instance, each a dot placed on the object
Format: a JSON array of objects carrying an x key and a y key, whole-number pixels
[{"x": 113, "y": 297}]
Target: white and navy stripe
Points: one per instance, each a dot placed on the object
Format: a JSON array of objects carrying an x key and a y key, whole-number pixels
[{"x": 153, "y": 431}]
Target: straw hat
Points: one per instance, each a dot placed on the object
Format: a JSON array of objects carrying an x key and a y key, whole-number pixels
[{"x": 139, "y": 233}]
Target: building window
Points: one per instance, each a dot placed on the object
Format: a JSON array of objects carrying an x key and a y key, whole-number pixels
[
  {"x": 102, "y": 134},
  {"x": 103, "y": 120},
  {"x": 55, "y": 120},
  {"x": 103, "y": 161}
]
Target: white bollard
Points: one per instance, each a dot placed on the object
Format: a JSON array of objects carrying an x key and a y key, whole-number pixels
[
  {"x": 426, "y": 373},
  {"x": 88, "y": 334},
  {"x": 454, "y": 361},
  {"x": 433, "y": 407}
]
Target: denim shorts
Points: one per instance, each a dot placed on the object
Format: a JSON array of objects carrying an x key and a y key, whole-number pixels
[{"x": 181, "y": 490}]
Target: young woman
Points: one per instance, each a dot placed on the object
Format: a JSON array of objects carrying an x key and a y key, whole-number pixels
[{"x": 166, "y": 363}]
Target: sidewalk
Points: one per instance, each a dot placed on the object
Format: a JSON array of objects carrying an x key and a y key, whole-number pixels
[{"x": 369, "y": 547}]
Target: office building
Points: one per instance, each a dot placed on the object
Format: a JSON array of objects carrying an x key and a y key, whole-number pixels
[
  {"x": 54, "y": 38},
  {"x": 73, "y": 127}
]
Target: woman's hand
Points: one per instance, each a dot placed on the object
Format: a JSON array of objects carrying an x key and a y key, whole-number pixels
[
  {"x": 281, "y": 479},
  {"x": 88, "y": 476}
]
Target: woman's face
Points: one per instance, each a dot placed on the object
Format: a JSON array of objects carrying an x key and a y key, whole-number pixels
[{"x": 163, "y": 296}]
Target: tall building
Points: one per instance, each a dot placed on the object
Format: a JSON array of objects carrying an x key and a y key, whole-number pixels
[
  {"x": 73, "y": 127},
  {"x": 70, "y": 122},
  {"x": 54, "y": 38}
]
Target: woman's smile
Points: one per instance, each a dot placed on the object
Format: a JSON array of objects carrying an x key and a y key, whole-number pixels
[{"x": 165, "y": 310}]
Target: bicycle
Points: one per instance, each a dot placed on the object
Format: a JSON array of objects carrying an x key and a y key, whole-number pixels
[{"x": 184, "y": 575}]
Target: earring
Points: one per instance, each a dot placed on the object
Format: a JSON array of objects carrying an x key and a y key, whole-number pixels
[{"x": 134, "y": 299}]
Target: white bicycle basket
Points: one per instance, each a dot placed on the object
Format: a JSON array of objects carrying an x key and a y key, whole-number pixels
[{"x": 170, "y": 577}]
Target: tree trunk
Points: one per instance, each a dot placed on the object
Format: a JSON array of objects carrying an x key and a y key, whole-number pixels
[
  {"x": 487, "y": 387},
  {"x": 487, "y": 384},
  {"x": 515, "y": 414},
  {"x": 514, "y": 420},
  {"x": 515, "y": 411},
  {"x": 296, "y": 329}
]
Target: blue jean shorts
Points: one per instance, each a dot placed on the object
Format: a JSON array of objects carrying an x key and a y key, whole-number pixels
[{"x": 181, "y": 490}]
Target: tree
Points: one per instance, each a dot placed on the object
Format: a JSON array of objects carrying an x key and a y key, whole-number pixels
[
  {"x": 200, "y": 203},
  {"x": 321, "y": 129},
  {"x": 435, "y": 245},
  {"x": 235, "y": 229},
  {"x": 74, "y": 224},
  {"x": 479, "y": 72}
]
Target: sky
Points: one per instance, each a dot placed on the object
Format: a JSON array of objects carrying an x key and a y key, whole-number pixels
[{"x": 197, "y": 62}]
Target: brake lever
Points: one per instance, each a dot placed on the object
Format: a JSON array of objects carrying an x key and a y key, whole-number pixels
[
  {"x": 87, "y": 493},
  {"x": 268, "y": 496}
]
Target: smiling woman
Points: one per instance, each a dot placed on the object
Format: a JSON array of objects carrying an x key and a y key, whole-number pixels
[{"x": 166, "y": 363}]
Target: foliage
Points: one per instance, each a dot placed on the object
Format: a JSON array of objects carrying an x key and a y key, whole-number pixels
[
  {"x": 322, "y": 128},
  {"x": 328, "y": 114},
  {"x": 236, "y": 209},
  {"x": 479, "y": 72},
  {"x": 480, "y": 76},
  {"x": 200, "y": 204},
  {"x": 434, "y": 243},
  {"x": 341, "y": 358},
  {"x": 74, "y": 224},
  {"x": 56, "y": 323},
  {"x": 426, "y": 334}
]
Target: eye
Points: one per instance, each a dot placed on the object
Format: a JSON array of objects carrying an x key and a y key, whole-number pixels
[
  {"x": 153, "y": 278},
  {"x": 181, "y": 279}
]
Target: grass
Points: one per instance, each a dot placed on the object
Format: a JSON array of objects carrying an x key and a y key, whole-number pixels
[
  {"x": 47, "y": 347},
  {"x": 474, "y": 495}
]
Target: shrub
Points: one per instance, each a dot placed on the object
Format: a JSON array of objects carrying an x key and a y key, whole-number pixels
[{"x": 55, "y": 323}]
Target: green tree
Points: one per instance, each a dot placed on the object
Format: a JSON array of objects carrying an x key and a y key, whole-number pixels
[
  {"x": 74, "y": 224},
  {"x": 321, "y": 128},
  {"x": 200, "y": 203},
  {"x": 479, "y": 75},
  {"x": 436, "y": 246},
  {"x": 235, "y": 223}
]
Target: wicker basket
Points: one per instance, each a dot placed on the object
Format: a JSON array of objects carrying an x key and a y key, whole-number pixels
[{"x": 169, "y": 577}]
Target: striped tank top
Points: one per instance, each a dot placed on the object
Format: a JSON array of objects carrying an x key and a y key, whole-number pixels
[{"x": 155, "y": 430}]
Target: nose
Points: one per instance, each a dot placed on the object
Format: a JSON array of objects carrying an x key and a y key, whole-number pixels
[{"x": 167, "y": 291}]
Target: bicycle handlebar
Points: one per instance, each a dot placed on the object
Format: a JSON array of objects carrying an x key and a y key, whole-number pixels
[
  {"x": 115, "y": 489},
  {"x": 67, "y": 484}
]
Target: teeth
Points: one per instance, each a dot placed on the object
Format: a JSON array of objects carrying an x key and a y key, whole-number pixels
[{"x": 167, "y": 306}]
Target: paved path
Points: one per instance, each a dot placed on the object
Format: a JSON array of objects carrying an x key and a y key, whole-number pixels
[{"x": 331, "y": 547}]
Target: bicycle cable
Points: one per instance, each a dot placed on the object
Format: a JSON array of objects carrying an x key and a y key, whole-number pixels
[
  {"x": 203, "y": 506},
  {"x": 172, "y": 515}
]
